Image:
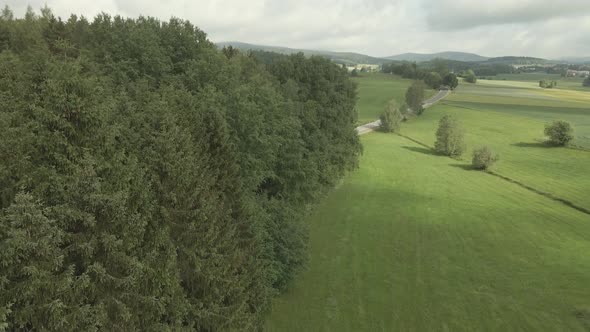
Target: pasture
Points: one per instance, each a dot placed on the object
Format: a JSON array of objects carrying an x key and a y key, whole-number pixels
[
  {"x": 375, "y": 90},
  {"x": 413, "y": 241}
]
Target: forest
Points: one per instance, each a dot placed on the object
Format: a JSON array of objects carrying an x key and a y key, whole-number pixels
[{"x": 149, "y": 181}]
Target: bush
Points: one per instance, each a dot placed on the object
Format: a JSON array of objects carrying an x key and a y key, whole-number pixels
[
  {"x": 470, "y": 77},
  {"x": 559, "y": 132},
  {"x": 586, "y": 81},
  {"x": 391, "y": 118},
  {"x": 450, "y": 137},
  {"x": 483, "y": 158}
]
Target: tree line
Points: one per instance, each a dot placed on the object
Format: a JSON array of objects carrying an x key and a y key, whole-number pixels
[{"x": 149, "y": 181}]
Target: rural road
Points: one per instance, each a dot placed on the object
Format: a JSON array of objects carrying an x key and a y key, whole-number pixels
[{"x": 369, "y": 127}]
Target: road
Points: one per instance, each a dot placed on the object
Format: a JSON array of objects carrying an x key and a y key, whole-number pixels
[{"x": 369, "y": 127}]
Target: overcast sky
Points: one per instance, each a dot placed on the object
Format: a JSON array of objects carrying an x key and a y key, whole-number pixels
[{"x": 544, "y": 28}]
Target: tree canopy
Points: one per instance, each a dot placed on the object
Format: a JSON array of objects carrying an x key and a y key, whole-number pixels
[{"x": 149, "y": 181}]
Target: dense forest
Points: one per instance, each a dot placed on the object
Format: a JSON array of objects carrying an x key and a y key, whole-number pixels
[{"x": 149, "y": 181}]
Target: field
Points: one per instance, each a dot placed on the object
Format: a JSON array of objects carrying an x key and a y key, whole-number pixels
[
  {"x": 376, "y": 90},
  {"x": 412, "y": 241},
  {"x": 569, "y": 83}
]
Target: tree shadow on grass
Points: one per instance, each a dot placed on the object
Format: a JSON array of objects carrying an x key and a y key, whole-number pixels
[
  {"x": 419, "y": 150},
  {"x": 465, "y": 167},
  {"x": 533, "y": 145}
]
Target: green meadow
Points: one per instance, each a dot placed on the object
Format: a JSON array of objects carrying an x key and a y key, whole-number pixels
[
  {"x": 376, "y": 90},
  {"x": 413, "y": 241}
]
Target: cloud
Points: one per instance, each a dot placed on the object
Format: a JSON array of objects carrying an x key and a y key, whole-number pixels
[
  {"x": 462, "y": 14},
  {"x": 376, "y": 27}
]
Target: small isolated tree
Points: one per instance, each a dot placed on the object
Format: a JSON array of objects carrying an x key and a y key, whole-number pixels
[
  {"x": 470, "y": 77},
  {"x": 391, "y": 118},
  {"x": 483, "y": 158},
  {"x": 559, "y": 132},
  {"x": 354, "y": 73},
  {"x": 414, "y": 96},
  {"x": 586, "y": 81},
  {"x": 451, "y": 80},
  {"x": 542, "y": 84},
  {"x": 450, "y": 137}
]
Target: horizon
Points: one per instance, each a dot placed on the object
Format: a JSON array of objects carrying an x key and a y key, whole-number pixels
[
  {"x": 377, "y": 28},
  {"x": 402, "y": 53}
]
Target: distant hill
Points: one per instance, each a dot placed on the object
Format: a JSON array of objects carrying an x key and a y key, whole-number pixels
[
  {"x": 348, "y": 58},
  {"x": 518, "y": 60},
  {"x": 455, "y": 56},
  {"x": 351, "y": 58},
  {"x": 576, "y": 60}
]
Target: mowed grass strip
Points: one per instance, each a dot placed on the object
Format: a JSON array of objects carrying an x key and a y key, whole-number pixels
[{"x": 415, "y": 242}]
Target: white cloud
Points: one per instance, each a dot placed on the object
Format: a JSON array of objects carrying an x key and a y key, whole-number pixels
[{"x": 377, "y": 27}]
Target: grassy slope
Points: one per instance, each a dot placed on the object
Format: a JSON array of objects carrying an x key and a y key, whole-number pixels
[
  {"x": 410, "y": 242},
  {"x": 514, "y": 131},
  {"x": 376, "y": 90},
  {"x": 414, "y": 242}
]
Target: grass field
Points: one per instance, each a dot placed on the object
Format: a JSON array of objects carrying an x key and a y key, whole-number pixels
[
  {"x": 570, "y": 83},
  {"x": 376, "y": 90},
  {"x": 412, "y": 241}
]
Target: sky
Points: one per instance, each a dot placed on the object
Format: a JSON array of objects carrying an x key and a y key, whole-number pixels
[{"x": 542, "y": 28}]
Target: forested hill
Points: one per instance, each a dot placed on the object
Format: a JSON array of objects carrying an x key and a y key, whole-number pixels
[{"x": 149, "y": 181}]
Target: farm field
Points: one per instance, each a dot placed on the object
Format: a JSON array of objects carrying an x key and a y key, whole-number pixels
[
  {"x": 569, "y": 83},
  {"x": 412, "y": 241},
  {"x": 515, "y": 130},
  {"x": 376, "y": 90}
]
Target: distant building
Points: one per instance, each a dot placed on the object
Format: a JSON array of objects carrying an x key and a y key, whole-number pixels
[{"x": 577, "y": 73}]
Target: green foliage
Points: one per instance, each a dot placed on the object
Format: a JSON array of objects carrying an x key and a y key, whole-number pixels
[
  {"x": 451, "y": 80},
  {"x": 391, "y": 118},
  {"x": 586, "y": 82},
  {"x": 433, "y": 80},
  {"x": 470, "y": 77},
  {"x": 450, "y": 137},
  {"x": 559, "y": 132},
  {"x": 483, "y": 158},
  {"x": 415, "y": 96},
  {"x": 547, "y": 85},
  {"x": 149, "y": 181}
]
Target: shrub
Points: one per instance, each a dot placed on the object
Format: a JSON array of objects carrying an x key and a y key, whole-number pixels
[
  {"x": 483, "y": 158},
  {"x": 586, "y": 81},
  {"x": 450, "y": 137},
  {"x": 391, "y": 118},
  {"x": 559, "y": 132},
  {"x": 470, "y": 77}
]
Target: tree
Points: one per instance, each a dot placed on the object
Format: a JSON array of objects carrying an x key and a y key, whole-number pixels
[
  {"x": 354, "y": 73},
  {"x": 450, "y": 137},
  {"x": 470, "y": 76},
  {"x": 559, "y": 132},
  {"x": 150, "y": 181},
  {"x": 433, "y": 80},
  {"x": 451, "y": 81},
  {"x": 415, "y": 96},
  {"x": 586, "y": 81},
  {"x": 391, "y": 118},
  {"x": 543, "y": 84},
  {"x": 483, "y": 158}
]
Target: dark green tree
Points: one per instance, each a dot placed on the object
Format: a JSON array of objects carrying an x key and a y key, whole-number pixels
[
  {"x": 415, "y": 97},
  {"x": 451, "y": 80}
]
